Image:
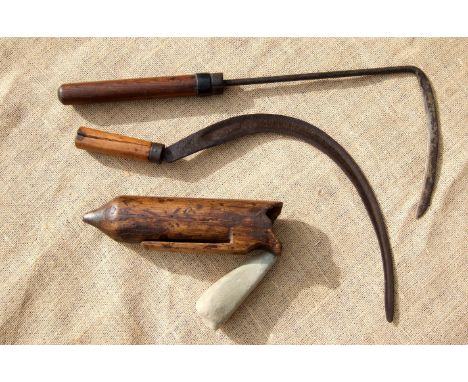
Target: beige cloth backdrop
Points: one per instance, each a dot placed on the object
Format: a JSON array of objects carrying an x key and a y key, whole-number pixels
[{"x": 63, "y": 281}]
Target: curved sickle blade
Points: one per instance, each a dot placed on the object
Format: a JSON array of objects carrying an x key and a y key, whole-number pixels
[{"x": 241, "y": 126}]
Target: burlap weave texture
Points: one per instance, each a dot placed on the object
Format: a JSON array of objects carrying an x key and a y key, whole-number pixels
[{"x": 63, "y": 281}]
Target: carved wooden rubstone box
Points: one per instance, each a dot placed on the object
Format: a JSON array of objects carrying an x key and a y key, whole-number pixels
[
  {"x": 190, "y": 224},
  {"x": 200, "y": 225}
]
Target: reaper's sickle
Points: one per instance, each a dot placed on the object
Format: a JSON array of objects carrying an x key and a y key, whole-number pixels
[
  {"x": 213, "y": 83},
  {"x": 238, "y": 127}
]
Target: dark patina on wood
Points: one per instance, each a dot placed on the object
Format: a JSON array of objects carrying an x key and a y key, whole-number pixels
[
  {"x": 141, "y": 88},
  {"x": 190, "y": 224}
]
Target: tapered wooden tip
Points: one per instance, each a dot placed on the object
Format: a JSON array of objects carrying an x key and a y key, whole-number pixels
[{"x": 95, "y": 218}]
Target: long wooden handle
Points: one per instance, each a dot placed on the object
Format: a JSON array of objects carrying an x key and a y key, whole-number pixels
[
  {"x": 117, "y": 145},
  {"x": 141, "y": 88}
]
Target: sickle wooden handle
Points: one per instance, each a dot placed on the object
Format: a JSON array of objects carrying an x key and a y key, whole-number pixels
[
  {"x": 141, "y": 88},
  {"x": 117, "y": 145}
]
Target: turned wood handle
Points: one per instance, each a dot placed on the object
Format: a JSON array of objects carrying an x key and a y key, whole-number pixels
[
  {"x": 117, "y": 145},
  {"x": 141, "y": 88}
]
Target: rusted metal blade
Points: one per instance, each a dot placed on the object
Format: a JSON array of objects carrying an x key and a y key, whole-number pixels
[
  {"x": 241, "y": 126},
  {"x": 429, "y": 102}
]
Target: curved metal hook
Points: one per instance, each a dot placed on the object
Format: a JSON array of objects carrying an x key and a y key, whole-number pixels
[
  {"x": 241, "y": 126},
  {"x": 429, "y": 102}
]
